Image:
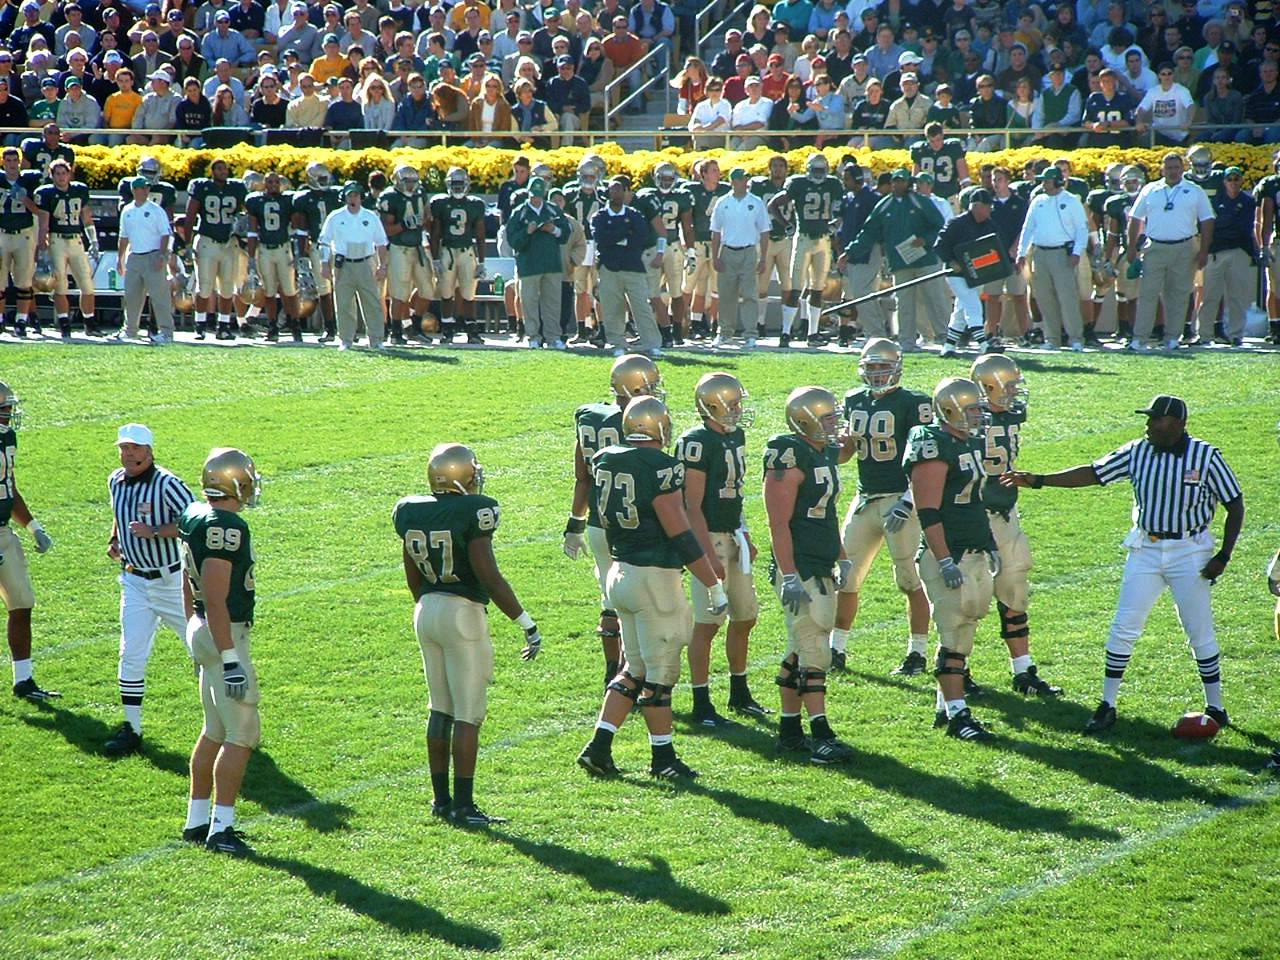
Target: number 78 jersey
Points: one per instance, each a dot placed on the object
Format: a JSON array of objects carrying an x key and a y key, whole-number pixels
[
  {"x": 437, "y": 531},
  {"x": 964, "y": 517},
  {"x": 879, "y": 427}
]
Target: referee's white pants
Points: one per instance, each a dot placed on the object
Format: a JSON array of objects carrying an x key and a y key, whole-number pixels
[
  {"x": 1152, "y": 566},
  {"x": 143, "y": 605},
  {"x": 968, "y": 306}
]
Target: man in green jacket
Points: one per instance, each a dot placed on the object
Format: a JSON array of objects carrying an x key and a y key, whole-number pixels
[
  {"x": 906, "y": 226},
  {"x": 536, "y": 231}
]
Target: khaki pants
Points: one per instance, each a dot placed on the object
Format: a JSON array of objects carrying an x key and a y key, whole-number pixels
[
  {"x": 146, "y": 275},
  {"x": 540, "y": 297},
  {"x": 863, "y": 278},
  {"x": 275, "y": 268},
  {"x": 864, "y": 532},
  {"x": 354, "y": 287},
  {"x": 226, "y": 720},
  {"x": 702, "y": 281},
  {"x": 666, "y": 279},
  {"x": 324, "y": 286},
  {"x": 738, "y": 290},
  {"x": 457, "y": 654},
  {"x": 216, "y": 264},
  {"x": 599, "y": 545},
  {"x": 585, "y": 280},
  {"x": 809, "y": 631},
  {"x": 18, "y": 257},
  {"x": 810, "y": 262},
  {"x": 922, "y": 309},
  {"x": 1168, "y": 272},
  {"x": 15, "y": 581},
  {"x": 777, "y": 260},
  {"x": 1054, "y": 285},
  {"x": 1229, "y": 278},
  {"x": 410, "y": 269},
  {"x": 957, "y": 612},
  {"x": 655, "y": 619},
  {"x": 69, "y": 259},
  {"x": 620, "y": 289},
  {"x": 739, "y": 586},
  {"x": 1011, "y": 586},
  {"x": 457, "y": 274}
]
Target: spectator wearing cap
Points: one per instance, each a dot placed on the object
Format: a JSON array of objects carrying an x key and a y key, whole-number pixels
[
  {"x": 536, "y": 231},
  {"x": 472, "y": 82},
  {"x": 722, "y": 65},
  {"x": 44, "y": 109},
  {"x": 175, "y": 30},
  {"x": 908, "y": 63},
  {"x": 624, "y": 49},
  {"x": 568, "y": 97},
  {"x": 596, "y": 70},
  {"x": 735, "y": 88},
  {"x": 121, "y": 107},
  {"x": 853, "y": 87},
  {"x": 882, "y": 56},
  {"x": 75, "y": 24},
  {"x": 248, "y": 19},
  {"x": 307, "y": 110},
  {"x": 1058, "y": 106},
  {"x": 31, "y": 26},
  {"x": 332, "y": 63},
  {"x": 1229, "y": 275},
  {"x": 751, "y": 117},
  {"x": 300, "y": 35},
  {"x": 775, "y": 77},
  {"x": 188, "y": 62},
  {"x": 714, "y": 115},
  {"x": 223, "y": 75},
  {"x": 909, "y": 111},
  {"x": 783, "y": 46},
  {"x": 13, "y": 113},
  {"x": 225, "y": 43},
  {"x": 506, "y": 41},
  {"x": 1262, "y": 109},
  {"x": 78, "y": 111},
  {"x": 150, "y": 20},
  {"x": 655, "y": 24}
]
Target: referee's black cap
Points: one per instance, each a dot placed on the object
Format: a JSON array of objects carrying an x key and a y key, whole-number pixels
[{"x": 1166, "y": 406}]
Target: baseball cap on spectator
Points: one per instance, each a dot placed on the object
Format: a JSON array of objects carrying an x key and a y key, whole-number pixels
[
  {"x": 924, "y": 177},
  {"x": 1057, "y": 66},
  {"x": 906, "y": 56},
  {"x": 733, "y": 33},
  {"x": 49, "y": 82},
  {"x": 1232, "y": 172},
  {"x": 550, "y": 13},
  {"x": 31, "y": 7},
  {"x": 742, "y": 60},
  {"x": 1019, "y": 46},
  {"x": 1006, "y": 28},
  {"x": 1226, "y": 46},
  {"x": 160, "y": 75},
  {"x": 137, "y": 183},
  {"x": 175, "y": 15},
  {"x": 868, "y": 13},
  {"x": 155, "y": 8},
  {"x": 112, "y": 56},
  {"x": 751, "y": 81},
  {"x": 962, "y": 35},
  {"x": 524, "y": 36},
  {"x": 775, "y": 58},
  {"x": 476, "y": 58},
  {"x": 859, "y": 58},
  {"x": 6, "y": 56},
  {"x": 737, "y": 173},
  {"x": 330, "y": 38},
  {"x": 291, "y": 52},
  {"x": 779, "y": 26},
  {"x": 981, "y": 195},
  {"x": 1051, "y": 173},
  {"x": 902, "y": 173},
  {"x": 817, "y": 62},
  {"x": 219, "y": 17},
  {"x": 513, "y": 15},
  {"x": 74, "y": 82},
  {"x": 483, "y": 36},
  {"x": 564, "y": 60}
]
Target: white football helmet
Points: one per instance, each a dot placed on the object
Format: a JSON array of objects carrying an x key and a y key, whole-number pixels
[
  {"x": 406, "y": 179},
  {"x": 318, "y": 176},
  {"x": 457, "y": 182},
  {"x": 817, "y": 167},
  {"x": 665, "y": 176}
]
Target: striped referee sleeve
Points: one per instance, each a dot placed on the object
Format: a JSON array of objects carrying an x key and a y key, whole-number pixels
[
  {"x": 1220, "y": 479},
  {"x": 1116, "y": 465},
  {"x": 176, "y": 497}
]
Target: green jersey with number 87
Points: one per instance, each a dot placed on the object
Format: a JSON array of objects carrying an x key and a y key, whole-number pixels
[
  {"x": 723, "y": 458},
  {"x": 436, "y": 532},
  {"x": 815, "y": 519},
  {"x": 627, "y": 481},
  {"x": 598, "y": 425},
  {"x": 457, "y": 217},
  {"x": 964, "y": 516},
  {"x": 1004, "y": 439},
  {"x": 208, "y": 533},
  {"x": 879, "y": 426}
]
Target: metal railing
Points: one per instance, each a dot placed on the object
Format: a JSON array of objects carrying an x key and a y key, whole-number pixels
[
  {"x": 639, "y": 92},
  {"x": 724, "y": 23}
]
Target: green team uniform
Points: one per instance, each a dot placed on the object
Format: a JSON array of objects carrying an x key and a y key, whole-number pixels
[
  {"x": 407, "y": 210},
  {"x": 206, "y": 533},
  {"x": 964, "y": 516},
  {"x": 8, "y": 454},
  {"x": 14, "y": 214},
  {"x": 580, "y": 203},
  {"x": 314, "y": 204},
  {"x": 766, "y": 190},
  {"x": 1004, "y": 440},
  {"x": 37, "y": 154},
  {"x": 627, "y": 481},
  {"x": 881, "y": 425},
  {"x": 646, "y": 201},
  {"x": 941, "y": 164},
  {"x": 1268, "y": 188},
  {"x": 813, "y": 204},
  {"x": 162, "y": 192},
  {"x": 701, "y": 200},
  {"x": 815, "y": 521},
  {"x": 1212, "y": 184},
  {"x": 436, "y": 532},
  {"x": 63, "y": 207},
  {"x": 1073, "y": 185},
  {"x": 1117, "y": 217},
  {"x": 670, "y": 207},
  {"x": 273, "y": 215},
  {"x": 457, "y": 217},
  {"x": 723, "y": 458},
  {"x": 218, "y": 204},
  {"x": 1023, "y": 188},
  {"x": 1096, "y": 203},
  {"x": 597, "y": 425}
]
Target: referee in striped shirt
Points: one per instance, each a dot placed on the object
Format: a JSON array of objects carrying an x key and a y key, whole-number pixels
[
  {"x": 147, "y": 501},
  {"x": 1178, "y": 481}
]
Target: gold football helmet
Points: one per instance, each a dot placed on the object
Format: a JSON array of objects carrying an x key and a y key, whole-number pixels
[
  {"x": 10, "y": 407},
  {"x": 453, "y": 468},
  {"x": 721, "y": 397},
  {"x": 1201, "y": 160},
  {"x": 252, "y": 291},
  {"x": 318, "y": 176},
  {"x": 813, "y": 413},
  {"x": 881, "y": 365},
  {"x": 183, "y": 299},
  {"x": 253, "y": 181},
  {"x": 1001, "y": 382},
  {"x": 646, "y": 418},
  {"x": 229, "y": 472},
  {"x": 959, "y": 404},
  {"x": 42, "y": 280},
  {"x": 635, "y": 375}
]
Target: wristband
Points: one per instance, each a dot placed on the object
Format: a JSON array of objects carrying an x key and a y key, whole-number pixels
[
  {"x": 687, "y": 547},
  {"x": 230, "y": 656},
  {"x": 524, "y": 621},
  {"x": 33, "y": 525},
  {"x": 662, "y": 245},
  {"x": 575, "y": 525},
  {"x": 1037, "y": 481},
  {"x": 929, "y": 516}
]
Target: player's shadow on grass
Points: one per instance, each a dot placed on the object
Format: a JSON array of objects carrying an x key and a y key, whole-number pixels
[
  {"x": 265, "y": 783},
  {"x": 399, "y": 913},
  {"x": 1036, "y": 365},
  {"x": 420, "y": 356},
  {"x": 606, "y": 874}
]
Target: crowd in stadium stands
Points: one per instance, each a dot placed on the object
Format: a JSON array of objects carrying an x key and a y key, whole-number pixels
[{"x": 1131, "y": 72}]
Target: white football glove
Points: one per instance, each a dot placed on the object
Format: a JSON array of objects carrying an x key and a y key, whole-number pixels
[
  {"x": 794, "y": 595},
  {"x": 994, "y": 563},
  {"x": 898, "y": 515},
  {"x": 575, "y": 544},
  {"x": 237, "y": 681},
  {"x": 1273, "y": 575},
  {"x": 952, "y": 575},
  {"x": 44, "y": 542},
  {"x": 532, "y": 643},
  {"x": 843, "y": 570},
  {"x": 717, "y": 600}
]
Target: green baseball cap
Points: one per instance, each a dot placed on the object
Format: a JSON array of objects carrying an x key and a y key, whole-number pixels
[
  {"x": 140, "y": 183},
  {"x": 1051, "y": 173},
  {"x": 538, "y": 187},
  {"x": 349, "y": 188},
  {"x": 1232, "y": 172},
  {"x": 902, "y": 173},
  {"x": 924, "y": 177},
  {"x": 737, "y": 173}
]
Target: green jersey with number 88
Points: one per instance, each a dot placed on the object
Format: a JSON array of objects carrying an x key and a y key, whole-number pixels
[
  {"x": 208, "y": 533},
  {"x": 815, "y": 519},
  {"x": 436, "y": 532},
  {"x": 964, "y": 516},
  {"x": 879, "y": 426},
  {"x": 627, "y": 481},
  {"x": 723, "y": 458}
]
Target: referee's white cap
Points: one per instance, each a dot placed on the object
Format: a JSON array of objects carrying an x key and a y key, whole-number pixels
[{"x": 135, "y": 433}]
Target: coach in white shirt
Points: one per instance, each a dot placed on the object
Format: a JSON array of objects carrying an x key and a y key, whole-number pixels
[
  {"x": 144, "y": 258},
  {"x": 739, "y": 245},
  {"x": 356, "y": 261},
  {"x": 1056, "y": 226},
  {"x": 1169, "y": 213},
  {"x": 711, "y": 114},
  {"x": 1166, "y": 109},
  {"x": 751, "y": 114}
]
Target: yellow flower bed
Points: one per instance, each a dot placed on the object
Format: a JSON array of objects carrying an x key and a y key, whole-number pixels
[{"x": 102, "y": 167}]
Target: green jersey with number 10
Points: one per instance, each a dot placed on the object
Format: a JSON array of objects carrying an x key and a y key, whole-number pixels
[
  {"x": 723, "y": 458},
  {"x": 436, "y": 532},
  {"x": 964, "y": 517}
]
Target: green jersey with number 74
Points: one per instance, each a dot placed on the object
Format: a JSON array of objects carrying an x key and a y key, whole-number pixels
[
  {"x": 815, "y": 518},
  {"x": 436, "y": 532}
]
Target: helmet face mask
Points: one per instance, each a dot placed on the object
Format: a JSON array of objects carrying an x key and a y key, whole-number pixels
[
  {"x": 880, "y": 367},
  {"x": 318, "y": 176},
  {"x": 149, "y": 167},
  {"x": 1114, "y": 173},
  {"x": 1201, "y": 161},
  {"x": 665, "y": 177},
  {"x": 1132, "y": 180},
  {"x": 10, "y": 408},
  {"x": 457, "y": 182},
  {"x": 817, "y": 168},
  {"x": 407, "y": 180},
  {"x": 588, "y": 174}
]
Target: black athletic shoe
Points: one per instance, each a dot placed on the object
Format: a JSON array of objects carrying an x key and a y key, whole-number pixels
[
  {"x": 327, "y": 337},
  {"x": 1028, "y": 683},
  {"x": 707, "y": 717},
  {"x": 794, "y": 743},
  {"x": 472, "y": 816},
  {"x": 845, "y": 339},
  {"x": 829, "y": 751},
  {"x": 940, "y": 718},
  {"x": 196, "y": 834},
  {"x": 677, "y": 769},
  {"x": 597, "y": 763},
  {"x": 28, "y": 690},
  {"x": 972, "y": 689},
  {"x": 475, "y": 339},
  {"x": 126, "y": 741},
  {"x": 1273, "y": 762},
  {"x": 273, "y": 334},
  {"x": 65, "y": 330},
  {"x": 965, "y": 726},
  {"x": 912, "y": 665},
  {"x": 668, "y": 341},
  {"x": 1219, "y": 716},
  {"x": 228, "y": 841},
  {"x": 749, "y": 707},
  {"x": 440, "y": 808},
  {"x": 838, "y": 661},
  {"x": 818, "y": 340},
  {"x": 597, "y": 340},
  {"x": 759, "y": 331},
  {"x": 1104, "y": 718},
  {"x": 784, "y": 340},
  {"x": 297, "y": 333},
  {"x": 20, "y": 330},
  {"x": 200, "y": 331}
]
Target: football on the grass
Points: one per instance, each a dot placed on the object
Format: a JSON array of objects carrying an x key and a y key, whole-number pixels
[{"x": 1196, "y": 726}]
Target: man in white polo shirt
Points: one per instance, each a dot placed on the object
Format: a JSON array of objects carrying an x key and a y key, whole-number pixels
[
  {"x": 144, "y": 258},
  {"x": 751, "y": 116},
  {"x": 739, "y": 250}
]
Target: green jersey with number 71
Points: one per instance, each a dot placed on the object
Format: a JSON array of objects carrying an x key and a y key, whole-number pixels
[
  {"x": 437, "y": 532},
  {"x": 964, "y": 516},
  {"x": 815, "y": 519}
]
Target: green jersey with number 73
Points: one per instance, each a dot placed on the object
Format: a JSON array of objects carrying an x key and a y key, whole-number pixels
[
  {"x": 436, "y": 532},
  {"x": 815, "y": 519},
  {"x": 209, "y": 533},
  {"x": 964, "y": 516},
  {"x": 879, "y": 426},
  {"x": 627, "y": 481}
]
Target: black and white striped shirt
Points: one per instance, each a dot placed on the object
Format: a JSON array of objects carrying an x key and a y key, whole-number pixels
[
  {"x": 155, "y": 498},
  {"x": 1174, "y": 491}
]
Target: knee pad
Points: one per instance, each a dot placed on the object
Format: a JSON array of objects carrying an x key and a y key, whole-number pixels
[
  {"x": 24, "y": 293},
  {"x": 439, "y": 726},
  {"x": 609, "y": 627},
  {"x": 787, "y": 673},
  {"x": 1012, "y": 625},
  {"x": 631, "y": 693},
  {"x": 655, "y": 695},
  {"x": 942, "y": 664},
  {"x": 811, "y": 681}
]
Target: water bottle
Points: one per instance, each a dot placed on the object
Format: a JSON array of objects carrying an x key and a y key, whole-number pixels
[
  {"x": 499, "y": 283},
  {"x": 113, "y": 279}
]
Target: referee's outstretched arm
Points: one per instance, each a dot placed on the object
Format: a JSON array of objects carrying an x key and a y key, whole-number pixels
[{"x": 1081, "y": 476}]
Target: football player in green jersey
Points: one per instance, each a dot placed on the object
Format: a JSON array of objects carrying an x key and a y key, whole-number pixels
[
  {"x": 810, "y": 200},
  {"x": 942, "y": 157},
  {"x": 270, "y": 214},
  {"x": 1265, "y": 192},
  {"x": 212, "y": 207},
  {"x": 715, "y": 463},
  {"x": 451, "y": 572},
  {"x": 164, "y": 193},
  {"x": 673, "y": 207},
  {"x": 878, "y": 417},
  {"x": 411, "y": 274},
  {"x": 1006, "y": 395},
  {"x": 957, "y": 557},
  {"x": 311, "y": 205},
  {"x": 640, "y": 501},
  {"x": 67, "y": 232},
  {"x": 15, "y": 582},
  {"x": 1116, "y": 216},
  {"x": 596, "y": 426},
  {"x": 700, "y": 275},
  {"x": 781, "y": 230},
  {"x": 583, "y": 197},
  {"x": 801, "y": 494},
  {"x": 218, "y": 592},
  {"x": 18, "y": 213},
  {"x": 457, "y": 245}
]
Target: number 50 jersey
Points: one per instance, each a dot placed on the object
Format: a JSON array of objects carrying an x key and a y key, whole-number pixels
[
  {"x": 436, "y": 532},
  {"x": 879, "y": 426}
]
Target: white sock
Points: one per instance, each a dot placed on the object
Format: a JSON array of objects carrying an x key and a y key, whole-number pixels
[
  {"x": 838, "y": 639},
  {"x": 605, "y": 725},
  {"x": 1022, "y": 663},
  {"x": 21, "y": 670},
  {"x": 695, "y": 318},
  {"x": 918, "y": 643},
  {"x": 88, "y": 317},
  {"x": 1111, "y": 689},
  {"x": 446, "y": 322},
  {"x": 198, "y": 812},
  {"x": 659, "y": 739},
  {"x": 955, "y": 706},
  {"x": 788, "y": 318},
  {"x": 815, "y": 316},
  {"x": 939, "y": 701},
  {"x": 251, "y": 311},
  {"x": 224, "y": 816},
  {"x": 761, "y": 309},
  {"x": 133, "y": 713},
  {"x": 1213, "y": 694},
  {"x": 224, "y": 319}
]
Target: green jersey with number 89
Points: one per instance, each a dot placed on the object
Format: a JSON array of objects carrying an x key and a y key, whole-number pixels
[
  {"x": 457, "y": 217},
  {"x": 723, "y": 458},
  {"x": 815, "y": 519},
  {"x": 1004, "y": 439},
  {"x": 211, "y": 534},
  {"x": 879, "y": 426},
  {"x": 597, "y": 425},
  {"x": 436, "y": 532},
  {"x": 8, "y": 454},
  {"x": 627, "y": 481},
  {"x": 964, "y": 516}
]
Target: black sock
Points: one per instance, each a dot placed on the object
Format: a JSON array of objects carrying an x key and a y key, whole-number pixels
[
  {"x": 664, "y": 754},
  {"x": 440, "y": 787},
  {"x": 738, "y": 689},
  {"x": 820, "y": 728},
  {"x": 610, "y": 669},
  {"x": 463, "y": 792},
  {"x": 603, "y": 739},
  {"x": 701, "y": 697},
  {"x": 790, "y": 726}
]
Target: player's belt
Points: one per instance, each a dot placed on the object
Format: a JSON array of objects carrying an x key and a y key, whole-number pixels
[
  {"x": 151, "y": 574},
  {"x": 1175, "y": 536},
  {"x": 346, "y": 260},
  {"x": 744, "y": 247},
  {"x": 1169, "y": 242},
  {"x": 1061, "y": 246},
  {"x": 13, "y": 233},
  {"x": 65, "y": 236},
  {"x": 274, "y": 246},
  {"x": 815, "y": 236}
]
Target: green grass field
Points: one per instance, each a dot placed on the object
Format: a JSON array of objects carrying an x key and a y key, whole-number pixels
[{"x": 1042, "y": 844}]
